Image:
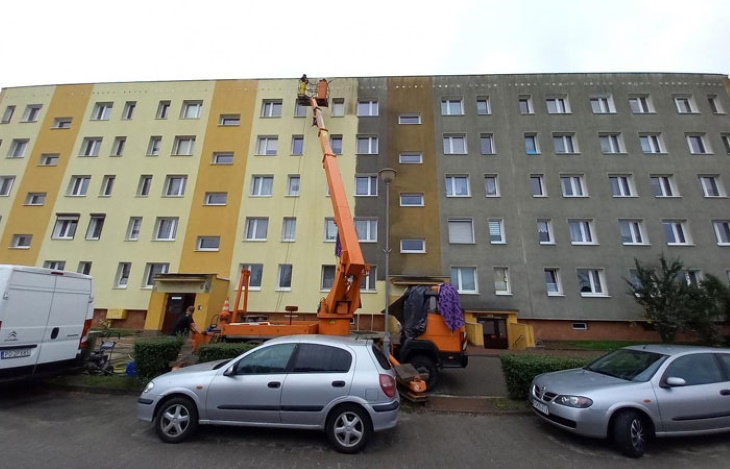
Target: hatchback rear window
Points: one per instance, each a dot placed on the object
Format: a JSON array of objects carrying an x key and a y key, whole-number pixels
[
  {"x": 315, "y": 358},
  {"x": 382, "y": 359}
]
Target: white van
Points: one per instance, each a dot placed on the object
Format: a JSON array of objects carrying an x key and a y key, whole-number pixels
[{"x": 45, "y": 316}]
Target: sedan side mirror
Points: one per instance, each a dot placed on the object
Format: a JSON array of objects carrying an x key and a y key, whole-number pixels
[{"x": 673, "y": 381}]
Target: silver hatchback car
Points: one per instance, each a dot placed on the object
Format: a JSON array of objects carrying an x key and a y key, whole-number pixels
[
  {"x": 638, "y": 392},
  {"x": 342, "y": 385}
]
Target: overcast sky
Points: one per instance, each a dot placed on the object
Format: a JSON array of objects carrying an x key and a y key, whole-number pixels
[{"x": 87, "y": 41}]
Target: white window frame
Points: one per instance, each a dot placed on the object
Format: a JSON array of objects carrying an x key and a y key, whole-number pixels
[
  {"x": 461, "y": 231},
  {"x": 502, "y": 284},
  {"x": 35, "y": 198},
  {"x": 216, "y": 198},
  {"x": 369, "y": 282},
  {"x": 32, "y": 112},
  {"x": 565, "y": 144},
  {"x": 297, "y": 145},
  {"x": 175, "y": 185},
  {"x": 452, "y": 106},
  {"x": 714, "y": 103},
  {"x": 722, "y": 232},
  {"x": 107, "y": 185},
  {"x": 366, "y": 186},
  {"x": 21, "y": 241},
  {"x": 134, "y": 227},
  {"x": 712, "y": 186},
  {"x": 611, "y": 143},
  {"x": 553, "y": 283},
  {"x": 166, "y": 228},
  {"x": 284, "y": 276},
  {"x": 545, "y": 225},
  {"x": 257, "y": 275},
  {"x": 289, "y": 229},
  {"x": 267, "y": 145},
  {"x": 118, "y": 146},
  {"x": 151, "y": 270},
  {"x": 573, "y": 185},
  {"x": 330, "y": 230},
  {"x": 84, "y": 267},
  {"x": 651, "y": 143},
  {"x": 455, "y": 144},
  {"x": 96, "y": 226},
  {"x": 327, "y": 277},
  {"x": 7, "y": 114},
  {"x": 153, "y": 147},
  {"x": 18, "y": 147},
  {"x": 367, "y": 145},
  {"x": 128, "y": 111},
  {"x": 262, "y": 185},
  {"x": 486, "y": 144},
  {"x": 65, "y": 227},
  {"x": 537, "y": 185},
  {"x": 144, "y": 185},
  {"x": 641, "y": 104},
  {"x": 457, "y": 185},
  {"x": 293, "y": 185},
  {"x": 412, "y": 246},
  {"x": 54, "y": 265},
  {"x": 459, "y": 279},
  {"x": 491, "y": 186},
  {"x": 557, "y": 105},
  {"x": 102, "y": 111},
  {"x": 271, "y": 108},
  {"x": 495, "y": 230},
  {"x": 632, "y": 233},
  {"x": 483, "y": 106},
  {"x": 409, "y": 118},
  {"x": 121, "y": 278},
  {"x": 337, "y": 109},
  {"x": 697, "y": 144},
  {"x": 524, "y": 105},
  {"x": 411, "y": 199},
  {"x": 676, "y": 233},
  {"x": 90, "y": 146},
  {"x": 336, "y": 144},
  {"x": 256, "y": 229},
  {"x": 685, "y": 104},
  {"x": 602, "y": 104},
  {"x": 621, "y": 185},
  {"x": 582, "y": 232},
  {"x": 532, "y": 145},
  {"x": 410, "y": 157},
  {"x": 78, "y": 186},
  {"x": 191, "y": 109},
  {"x": 6, "y": 185},
  {"x": 367, "y": 108},
  {"x": 222, "y": 157},
  {"x": 229, "y": 120},
  {"x": 184, "y": 145},
  {"x": 366, "y": 229},
  {"x": 208, "y": 243},
  {"x": 726, "y": 142},
  {"x": 163, "y": 110},
  {"x": 49, "y": 159},
  {"x": 596, "y": 281},
  {"x": 663, "y": 185}
]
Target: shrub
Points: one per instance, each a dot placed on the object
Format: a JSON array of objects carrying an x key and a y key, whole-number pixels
[
  {"x": 153, "y": 356},
  {"x": 210, "y": 352},
  {"x": 519, "y": 370}
]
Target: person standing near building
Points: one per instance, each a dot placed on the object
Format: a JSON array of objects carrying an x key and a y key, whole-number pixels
[{"x": 185, "y": 323}]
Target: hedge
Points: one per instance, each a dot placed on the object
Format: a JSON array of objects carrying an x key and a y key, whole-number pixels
[
  {"x": 210, "y": 352},
  {"x": 153, "y": 356},
  {"x": 519, "y": 370}
]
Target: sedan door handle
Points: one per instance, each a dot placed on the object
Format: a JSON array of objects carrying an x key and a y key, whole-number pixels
[
  {"x": 338, "y": 384},
  {"x": 274, "y": 384},
  {"x": 725, "y": 392}
]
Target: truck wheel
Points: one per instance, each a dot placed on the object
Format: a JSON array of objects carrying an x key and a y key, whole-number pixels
[
  {"x": 629, "y": 433},
  {"x": 176, "y": 420},
  {"x": 348, "y": 428},
  {"x": 428, "y": 370}
]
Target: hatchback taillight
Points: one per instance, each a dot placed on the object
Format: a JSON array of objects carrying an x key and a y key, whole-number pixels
[{"x": 387, "y": 384}]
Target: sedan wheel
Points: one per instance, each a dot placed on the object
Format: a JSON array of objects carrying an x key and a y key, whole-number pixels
[
  {"x": 629, "y": 434},
  {"x": 348, "y": 428},
  {"x": 176, "y": 420}
]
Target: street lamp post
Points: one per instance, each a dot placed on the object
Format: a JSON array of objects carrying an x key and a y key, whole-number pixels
[{"x": 387, "y": 175}]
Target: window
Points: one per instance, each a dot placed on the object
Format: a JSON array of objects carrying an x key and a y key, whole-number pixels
[
  {"x": 572, "y": 186},
  {"x": 412, "y": 245},
  {"x": 292, "y": 185},
  {"x": 153, "y": 148},
  {"x": 133, "y": 228},
  {"x": 486, "y": 143},
  {"x": 165, "y": 228},
  {"x": 21, "y": 241},
  {"x": 7, "y": 115},
  {"x": 367, "y": 108},
  {"x": 338, "y": 107},
  {"x": 261, "y": 186},
  {"x": 107, "y": 185},
  {"x": 684, "y": 104},
  {"x": 62, "y": 122},
  {"x": 611, "y": 143},
  {"x": 651, "y": 143},
  {"x": 297, "y": 145},
  {"x": 84, "y": 267},
  {"x": 531, "y": 146},
  {"x": 300, "y": 110},
  {"x": 257, "y": 274},
  {"x": 557, "y": 105},
  {"x": 79, "y": 186},
  {"x": 256, "y": 228},
  {"x": 698, "y": 368},
  {"x": 409, "y": 119},
  {"x": 697, "y": 144},
  {"x": 90, "y": 146},
  {"x": 537, "y": 186},
  {"x": 564, "y": 143},
  {"x": 336, "y": 144},
  {"x": 271, "y": 108},
  {"x": 143, "y": 187},
  {"x": 55, "y": 265},
  {"x": 284, "y": 277},
  {"x": 621, "y": 186},
  {"x": 118, "y": 146},
  {"x": 663, "y": 186},
  {"x": 581, "y": 231},
  {"x": 49, "y": 159},
  {"x": 501, "y": 281},
  {"x": 457, "y": 186},
  {"x": 726, "y": 142},
  {"x": 715, "y": 106},
  {"x": 525, "y": 105},
  {"x": 229, "y": 120},
  {"x": 151, "y": 271},
  {"x": 452, "y": 107},
  {"x": 102, "y": 111},
  {"x": 411, "y": 200},
  {"x": 366, "y": 186},
  {"x": 461, "y": 231},
  {"x": 222, "y": 158},
  {"x": 483, "y": 106},
  {"x": 163, "y": 110},
  {"x": 330, "y": 230},
  {"x": 327, "y": 277},
  {"x": 121, "y": 279},
  {"x": 216, "y": 198},
  {"x": 464, "y": 279},
  {"x": 676, "y": 232},
  {"x": 632, "y": 232},
  {"x": 369, "y": 282},
  {"x": 191, "y": 109},
  {"x": 32, "y": 112},
  {"x": 208, "y": 243},
  {"x": 35, "y": 198},
  {"x": 491, "y": 185},
  {"x": 640, "y": 104},
  {"x": 366, "y": 229},
  {"x": 454, "y": 144},
  {"x": 65, "y": 227},
  {"x": 553, "y": 286},
  {"x": 183, "y": 146},
  {"x": 722, "y": 232},
  {"x": 128, "y": 111},
  {"x": 175, "y": 186},
  {"x": 267, "y": 145},
  {"x": 590, "y": 282},
  {"x": 410, "y": 158},
  {"x": 367, "y": 145},
  {"x": 712, "y": 186},
  {"x": 289, "y": 229},
  {"x": 496, "y": 231},
  {"x": 18, "y": 147},
  {"x": 545, "y": 232},
  {"x": 96, "y": 224},
  {"x": 602, "y": 105},
  {"x": 6, "y": 185}
]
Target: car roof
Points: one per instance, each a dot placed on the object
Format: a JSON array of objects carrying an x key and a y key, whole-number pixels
[
  {"x": 352, "y": 341},
  {"x": 673, "y": 349}
]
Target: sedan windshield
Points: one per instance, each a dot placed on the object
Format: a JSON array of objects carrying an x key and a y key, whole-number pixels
[{"x": 632, "y": 365}]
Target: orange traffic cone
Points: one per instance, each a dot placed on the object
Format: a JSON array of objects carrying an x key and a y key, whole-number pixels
[{"x": 225, "y": 316}]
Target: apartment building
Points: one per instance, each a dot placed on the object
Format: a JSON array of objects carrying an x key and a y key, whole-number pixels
[{"x": 533, "y": 194}]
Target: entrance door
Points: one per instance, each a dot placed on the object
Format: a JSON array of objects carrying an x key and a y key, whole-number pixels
[
  {"x": 495, "y": 332},
  {"x": 175, "y": 307}
]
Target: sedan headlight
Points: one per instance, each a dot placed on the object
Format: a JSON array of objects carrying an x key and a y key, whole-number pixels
[
  {"x": 574, "y": 401},
  {"x": 150, "y": 386}
]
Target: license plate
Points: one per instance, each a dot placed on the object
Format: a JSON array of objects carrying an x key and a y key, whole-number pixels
[
  {"x": 17, "y": 353},
  {"x": 540, "y": 407}
]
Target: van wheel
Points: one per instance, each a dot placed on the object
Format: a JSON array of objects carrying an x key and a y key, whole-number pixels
[
  {"x": 176, "y": 420},
  {"x": 630, "y": 433},
  {"x": 428, "y": 370},
  {"x": 349, "y": 428}
]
